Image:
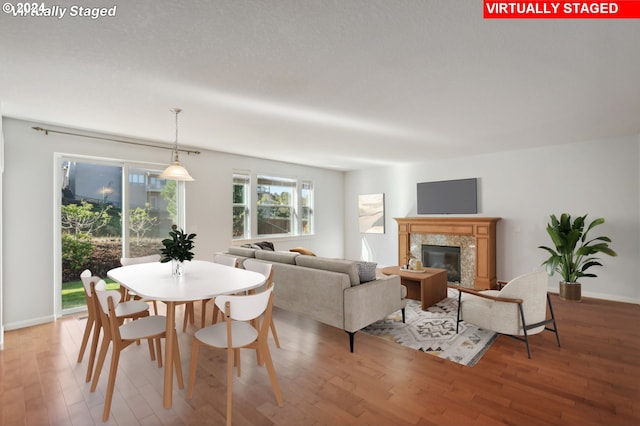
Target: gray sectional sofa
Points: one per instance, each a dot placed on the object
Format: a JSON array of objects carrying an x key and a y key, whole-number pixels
[{"x": 328, "y": 290}]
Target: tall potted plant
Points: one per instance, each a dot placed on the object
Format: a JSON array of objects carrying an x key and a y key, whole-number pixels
[
  {"x": 574, "y": 254},
  {"x": 177, "y": 249}
]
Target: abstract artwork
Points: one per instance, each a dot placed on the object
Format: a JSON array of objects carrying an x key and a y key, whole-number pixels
[{"x": 371, "y": 213}]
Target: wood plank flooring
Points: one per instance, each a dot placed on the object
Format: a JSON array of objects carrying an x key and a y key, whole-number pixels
[{"x": 593, "y": 379}]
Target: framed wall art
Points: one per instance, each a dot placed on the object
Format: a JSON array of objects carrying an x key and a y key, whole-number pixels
[{"x": 371, "y": 213}]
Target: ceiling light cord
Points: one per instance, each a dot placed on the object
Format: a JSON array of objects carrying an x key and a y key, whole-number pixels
[
  {"x": 176, "y": 171},
  {"x": 175, "y": 147}
]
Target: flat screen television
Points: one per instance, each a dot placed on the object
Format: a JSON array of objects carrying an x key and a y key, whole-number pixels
[{"x": 448, "y": 197}]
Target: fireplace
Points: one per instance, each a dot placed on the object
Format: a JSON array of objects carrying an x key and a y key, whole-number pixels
[
  {"x": 443, "y": 257},
  {"x": 476, "y": 237}
]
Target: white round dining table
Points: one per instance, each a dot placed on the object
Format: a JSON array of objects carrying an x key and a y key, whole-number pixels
[{"x": 201, "y": 280}]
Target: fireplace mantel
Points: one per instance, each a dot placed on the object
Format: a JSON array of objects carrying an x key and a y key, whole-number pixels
[{"x": 483, "y": 229}]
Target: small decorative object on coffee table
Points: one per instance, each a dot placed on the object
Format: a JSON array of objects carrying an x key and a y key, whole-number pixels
[
  {"x": 177, "y": 250},
  {"x": 415, "y": 265}
]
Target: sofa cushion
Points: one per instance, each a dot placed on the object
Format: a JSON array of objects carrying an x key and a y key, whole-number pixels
[
  {"x": 366, "y": 271},
  {"x": 302, "y": 250},
  {"x": 277, "y": 256},
  {"x": 335, "y": 265},
  {"x": 242, "y": 251}
]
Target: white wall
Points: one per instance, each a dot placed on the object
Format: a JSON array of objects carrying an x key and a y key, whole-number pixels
[
  {"x": 28, "y": 198},
  {"x": 598, "y": 178}
]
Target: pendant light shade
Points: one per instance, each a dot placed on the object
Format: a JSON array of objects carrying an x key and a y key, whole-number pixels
[{"x": 175, "y": 171}]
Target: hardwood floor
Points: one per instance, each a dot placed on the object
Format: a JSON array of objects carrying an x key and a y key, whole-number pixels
[{"x": 593, "y": 379}]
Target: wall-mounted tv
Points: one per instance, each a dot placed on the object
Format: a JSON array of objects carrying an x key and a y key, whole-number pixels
[{"x": 448, "y": 197}]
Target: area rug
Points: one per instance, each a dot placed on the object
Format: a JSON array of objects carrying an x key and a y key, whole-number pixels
[{"x": 433, "y": 331}]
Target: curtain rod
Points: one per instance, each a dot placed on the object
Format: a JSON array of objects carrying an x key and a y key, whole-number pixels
[{"x": 47, "y": 131}]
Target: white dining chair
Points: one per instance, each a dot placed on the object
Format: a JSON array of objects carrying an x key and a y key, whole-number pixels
[
  {"x": 122, "y": 335},
  {"x": 265, "y": 269},
  {"x": 238, "y": 331},
  {"x": 221, "y": 259},
  {"x": 130, "y": 309},
  {"x": 125, "y": 261}
]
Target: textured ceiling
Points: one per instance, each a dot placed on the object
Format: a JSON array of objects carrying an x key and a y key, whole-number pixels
[{"x": 339, "y": 84}]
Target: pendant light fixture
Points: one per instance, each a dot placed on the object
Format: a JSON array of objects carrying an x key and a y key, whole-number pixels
[{"x": 175, "y": 171}]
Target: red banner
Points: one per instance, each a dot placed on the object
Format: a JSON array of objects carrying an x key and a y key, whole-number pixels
[{"x": 625, "y": 9}]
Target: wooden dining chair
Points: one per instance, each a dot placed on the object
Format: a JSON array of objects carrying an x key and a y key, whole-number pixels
[
  {"x": 131, "y": 309},
  {"x": 122, "y": 335},
  {"x": 238, "y": 331},
  {"x": 89, "y": 327},
  {"x": 125, "y": 261},
  {"x": 265, "y": 269},
  {"x": 221, "y": 259}
]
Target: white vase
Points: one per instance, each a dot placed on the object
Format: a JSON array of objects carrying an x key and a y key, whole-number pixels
[{"x": 177, "y": 268}]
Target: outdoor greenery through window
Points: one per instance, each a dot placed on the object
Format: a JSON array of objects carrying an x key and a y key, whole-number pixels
[
  {"x": 102, "y": 219},
  {"x": 275, "y": 198},
  {"x": 283, "y": 206}
]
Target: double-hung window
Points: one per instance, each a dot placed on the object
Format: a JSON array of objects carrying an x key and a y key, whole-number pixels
[
  {"x": 266, "y": 205},
  {"x": 241, "y": 187},
  {"x": 306, "y": 208},
  {"x": 276, "y": 200}
]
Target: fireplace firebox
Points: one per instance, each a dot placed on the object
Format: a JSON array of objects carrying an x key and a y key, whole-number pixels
[{"x": 443, "y": 257}]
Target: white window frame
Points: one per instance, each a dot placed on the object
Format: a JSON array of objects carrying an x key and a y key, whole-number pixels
[
  {"x": 292, "y": 205},
  {"x": 306, "y": 183},
  {"x": 246, "y": 177},
  {"x": 251, "y": 215}
]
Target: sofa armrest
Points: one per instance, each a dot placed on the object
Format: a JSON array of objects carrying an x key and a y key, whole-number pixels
[
  {"x": 314, "y": 293},
  {"x": 367, "y": 303}
]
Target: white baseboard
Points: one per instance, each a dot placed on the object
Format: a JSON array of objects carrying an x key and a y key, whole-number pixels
[{"x": 28, "y": 323}]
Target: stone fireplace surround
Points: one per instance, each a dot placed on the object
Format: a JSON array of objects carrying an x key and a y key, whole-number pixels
[
  {"x": 476, "y": 236},
  {"x": 467, "y": 252}
]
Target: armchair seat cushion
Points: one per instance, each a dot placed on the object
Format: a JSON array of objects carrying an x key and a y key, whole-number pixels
[
  {"x": 503, "y": 316},
  {"x": 518, "y": 310}
]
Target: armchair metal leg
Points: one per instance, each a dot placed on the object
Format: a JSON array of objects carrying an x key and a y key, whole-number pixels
[
  {"x": 459, "y": 306},
  {"x": 524, "y": 329},
  {"x": 553, "y": 320},
  {"x": 403, "y": 317}
]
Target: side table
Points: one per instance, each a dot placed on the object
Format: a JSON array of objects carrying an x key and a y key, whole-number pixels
[{"x": 429, "y": 286}]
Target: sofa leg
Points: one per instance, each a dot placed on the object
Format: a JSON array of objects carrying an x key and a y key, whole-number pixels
[
  {"x": 403, "y": 316},
  {"x": 351, "y": 335}
]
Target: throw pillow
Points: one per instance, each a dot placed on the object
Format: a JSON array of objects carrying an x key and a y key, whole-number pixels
[
  {"x": 302, "y": 250},
  {"x": 366, "y": 271},
  {"x": 266, "y": 245},
  {"x": 252, "y": 246}
]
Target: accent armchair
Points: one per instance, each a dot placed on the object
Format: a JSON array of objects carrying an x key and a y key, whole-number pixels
[{"x": 518, "y": 310}]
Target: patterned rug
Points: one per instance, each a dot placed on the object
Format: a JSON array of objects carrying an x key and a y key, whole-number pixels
[{"x": 433, "y": 331}]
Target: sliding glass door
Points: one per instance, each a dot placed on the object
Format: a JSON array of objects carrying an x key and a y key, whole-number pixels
[{"x": 109, "y": 210}]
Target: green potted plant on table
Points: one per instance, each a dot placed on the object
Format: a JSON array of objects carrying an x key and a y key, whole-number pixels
[
  {"x": 177, "y": 249},
  {"x": 574, "y": 253}
]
